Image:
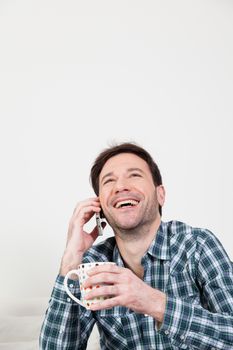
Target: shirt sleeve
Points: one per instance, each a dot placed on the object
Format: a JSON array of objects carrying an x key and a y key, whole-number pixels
[
  {"x": 191, "y": 325},
  {"x": 66, "y": 325}
]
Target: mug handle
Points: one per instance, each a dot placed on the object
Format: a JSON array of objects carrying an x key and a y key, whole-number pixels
[{"x": 67, "y": 288}]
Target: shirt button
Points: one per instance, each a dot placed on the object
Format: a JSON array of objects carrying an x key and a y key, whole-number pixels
[
  {"x": 182, "y": 337},
  {"x": 166, "y": 332},
  {"x": 71, "y": 285},
  {"x": 61, "y": 330},
  {"x": 68, "y": 299}
]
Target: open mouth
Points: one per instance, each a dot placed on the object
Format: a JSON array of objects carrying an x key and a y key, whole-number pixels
[{"x": 126, "y": 203}]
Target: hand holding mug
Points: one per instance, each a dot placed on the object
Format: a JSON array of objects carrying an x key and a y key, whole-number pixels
[{"x": 82, "y": 273}]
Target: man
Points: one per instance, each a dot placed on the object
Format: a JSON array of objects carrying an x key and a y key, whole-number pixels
[{"x": 172, "y": 285}]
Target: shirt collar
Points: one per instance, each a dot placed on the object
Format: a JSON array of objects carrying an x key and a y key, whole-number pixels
[
  {"x": 117, "y": 256},
  {"x": 159, "y": 247}
]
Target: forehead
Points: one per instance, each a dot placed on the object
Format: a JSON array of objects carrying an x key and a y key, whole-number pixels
[{"x": 124, "y": 162}]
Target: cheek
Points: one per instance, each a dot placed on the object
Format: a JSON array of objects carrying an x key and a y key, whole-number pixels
[{"x": 103, "y": 198}]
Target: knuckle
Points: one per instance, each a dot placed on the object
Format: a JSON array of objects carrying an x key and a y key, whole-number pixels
[
  {"x": 128, "y": 276},
  {"x": 128, "y": 272},
  {"x": 115, "y": 290},
  {"x": 127, "y": 290},
  {"x": 106, "y": 277},
  {"x": 103, "y": 290},
  {"x": 110, "y": 303},
  {"x": 77, "y": 208}
]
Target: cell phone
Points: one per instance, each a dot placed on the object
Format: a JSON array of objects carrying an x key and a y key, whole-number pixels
[{"x": 98, "y": 223}]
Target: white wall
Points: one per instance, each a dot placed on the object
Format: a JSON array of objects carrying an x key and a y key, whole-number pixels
[{"x": 75, "y": 75}]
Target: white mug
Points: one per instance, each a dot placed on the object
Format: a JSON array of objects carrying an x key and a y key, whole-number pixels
[{"x": 81, "y": 272}]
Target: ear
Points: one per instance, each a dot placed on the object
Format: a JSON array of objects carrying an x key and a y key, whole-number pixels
[{"x": 161, "y": 194}]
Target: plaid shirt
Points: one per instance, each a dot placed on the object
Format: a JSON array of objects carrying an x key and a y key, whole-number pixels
[{"x": 189, "y": 265}]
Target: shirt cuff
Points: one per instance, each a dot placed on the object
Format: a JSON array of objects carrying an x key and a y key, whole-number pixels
[
  {"x": 177, "y": 321},
  {"x": 60, "y": 294}
]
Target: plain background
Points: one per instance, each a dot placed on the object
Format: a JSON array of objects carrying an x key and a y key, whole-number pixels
[{"x": 76, "y": 76}]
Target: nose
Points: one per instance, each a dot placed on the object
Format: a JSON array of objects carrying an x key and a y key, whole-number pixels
[{"x": 121, "y": 185}]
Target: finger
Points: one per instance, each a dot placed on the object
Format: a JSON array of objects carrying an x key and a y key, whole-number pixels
[
  {"x": 101, "y": 278},
  {"x": 102, "y": 291},
  {"x": 87, "y": 202},
  {"x": 84, "y": 214},
  {"x": 89, "y": 210},
  {"x": 106, "y": 304},
  {"x": 112, "y": 268}
]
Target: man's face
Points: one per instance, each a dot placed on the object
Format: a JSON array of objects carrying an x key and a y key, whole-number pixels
[{"x": 127, "y": 192}]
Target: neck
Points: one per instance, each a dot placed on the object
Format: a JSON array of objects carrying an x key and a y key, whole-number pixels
[{"x": 133, "y": 245}]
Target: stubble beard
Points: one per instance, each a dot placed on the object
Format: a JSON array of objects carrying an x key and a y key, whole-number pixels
[{"x": 141, "y": 227}]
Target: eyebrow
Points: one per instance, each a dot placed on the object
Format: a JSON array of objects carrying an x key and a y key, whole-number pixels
[{"x": 128, "y": 170}]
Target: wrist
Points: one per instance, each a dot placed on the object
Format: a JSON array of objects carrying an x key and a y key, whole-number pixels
[
  {"x": 158, "y": 305},
  {"x": 69, "y": 262}
]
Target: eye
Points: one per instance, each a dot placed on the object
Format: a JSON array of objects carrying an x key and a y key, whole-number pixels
[
  {"x": 108, "y": 181},
  {"x": 136, "y": 175}
]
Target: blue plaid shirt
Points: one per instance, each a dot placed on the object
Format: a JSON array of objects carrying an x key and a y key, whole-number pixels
[{"x": 189, "y": 265}]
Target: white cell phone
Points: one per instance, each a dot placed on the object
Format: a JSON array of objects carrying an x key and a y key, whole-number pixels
[{"x": 98, "y": 223}]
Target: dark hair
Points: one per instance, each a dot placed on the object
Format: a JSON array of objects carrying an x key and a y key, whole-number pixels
[{"x": 126, "y": 147}]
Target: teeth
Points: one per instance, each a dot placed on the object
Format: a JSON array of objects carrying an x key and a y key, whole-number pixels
[{"x": 126, "y": 202}]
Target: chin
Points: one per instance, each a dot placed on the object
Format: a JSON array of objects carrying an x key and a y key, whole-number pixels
[{"x": 127, "y": 225}]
